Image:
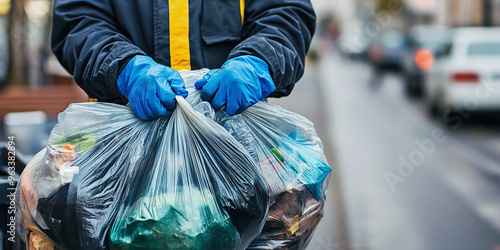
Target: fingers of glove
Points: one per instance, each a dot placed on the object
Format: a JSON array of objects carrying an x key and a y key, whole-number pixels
[
  {"x": 231, "y": 107},
  {"x": 139, "y": 111},
  {"x": 180, "y": 90},
  {"x": 149, "y": 94},
  {"x": 148, "y": 111},
  {"x": 219, "y": 99},
  {"x": 245, "y": 105},
  {"x": 234, "y": 101},
  {"x": 157, "y": 106},
  {"x": 165, "y": 94},
  {"x": 240, "y": 104},
  {"x": 198, "y": 84},
  {"x": 177, "y": 83},
  {"x": 211, "y": 87}
]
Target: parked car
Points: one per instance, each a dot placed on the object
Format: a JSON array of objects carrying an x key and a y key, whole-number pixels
[
  {"x": 424, "y": 42},
  {"x": 466, "y": 77},
  {"x": 387, "y": 50}
]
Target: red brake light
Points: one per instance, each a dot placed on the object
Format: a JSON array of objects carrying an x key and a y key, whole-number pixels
[
  {"x": 424, "y": 59},
  {"x": 464, "y": 77}
]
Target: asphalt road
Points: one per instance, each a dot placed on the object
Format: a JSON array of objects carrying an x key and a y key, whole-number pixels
[{"x": 403, "y": 180}]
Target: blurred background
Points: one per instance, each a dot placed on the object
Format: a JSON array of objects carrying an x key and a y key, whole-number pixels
[{"x": 405, "y": 95}]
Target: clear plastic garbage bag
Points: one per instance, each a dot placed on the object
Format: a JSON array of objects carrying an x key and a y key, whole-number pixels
[
  {"x": 121, "y": 190},
  {"x": 107, "y": 179},
  {"x": 291, "y": 157},
  {"x": 199, "y": 173}
]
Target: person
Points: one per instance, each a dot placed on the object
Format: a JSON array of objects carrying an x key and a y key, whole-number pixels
[{"x": 131, "y": 50}]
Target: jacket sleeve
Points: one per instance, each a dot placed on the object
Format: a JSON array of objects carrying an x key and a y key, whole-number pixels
[
  {"x": 279, "y": 32},
  {"x": 87, "y": 42}
]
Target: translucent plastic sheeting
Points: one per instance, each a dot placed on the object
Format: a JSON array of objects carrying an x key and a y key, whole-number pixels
[
  {"x": 107, "y": 179},
  {"x": 291, "y": 157}
]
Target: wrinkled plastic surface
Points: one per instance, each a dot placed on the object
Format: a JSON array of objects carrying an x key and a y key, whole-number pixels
[
  {"x": 281, "y": 145},
  {"x": 171, "y": 221},
  {"x": 124, "y": 177},
  {"x": 291, "y": 157}
]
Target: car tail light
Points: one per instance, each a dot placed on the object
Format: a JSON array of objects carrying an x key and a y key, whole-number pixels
[
  {"x": 465, "y": 77},
  {"x": 424, "y": 59}
]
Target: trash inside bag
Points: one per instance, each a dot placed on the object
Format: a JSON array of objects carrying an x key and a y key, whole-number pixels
[
  {"x": 291, "y": 158},
  {"x": 196, "y": 180},
  {"x": 186, "y": 164},
  {"x": 170, "y": 221},
  {"x": 78, "y": 213},
  {"x": 176, "y": 182}
]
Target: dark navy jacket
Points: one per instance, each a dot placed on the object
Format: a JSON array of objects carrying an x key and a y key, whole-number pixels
[{"x": 94, "y": 39}]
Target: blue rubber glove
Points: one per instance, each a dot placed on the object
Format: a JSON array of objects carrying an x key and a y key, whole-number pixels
[
  {"x": 238, "y": 84},
  {"x": 150, "y": 87}
]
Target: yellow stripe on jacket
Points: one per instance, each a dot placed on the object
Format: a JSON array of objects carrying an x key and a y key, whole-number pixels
[
  {"x": 179, "y": 34},
  {"x": 242, "y": 11}
]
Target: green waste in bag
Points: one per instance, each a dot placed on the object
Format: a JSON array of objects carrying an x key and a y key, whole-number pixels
[{"x": 168, "y": 221}]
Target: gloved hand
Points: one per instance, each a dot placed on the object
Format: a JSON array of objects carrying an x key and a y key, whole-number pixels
[
  {"x": 150, "y": 87},
  {"x": 238, "y": 84}
]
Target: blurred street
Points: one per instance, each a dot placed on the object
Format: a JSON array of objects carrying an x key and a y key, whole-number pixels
[{"x": 446, "y": 196}]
